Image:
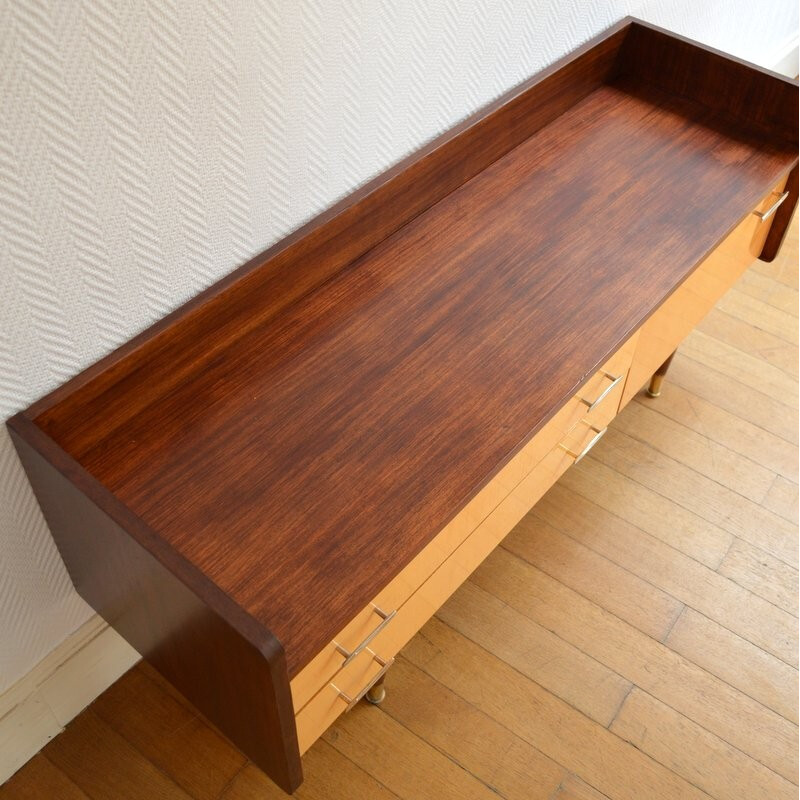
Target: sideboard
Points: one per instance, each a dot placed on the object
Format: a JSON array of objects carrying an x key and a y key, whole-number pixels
[{"x": 270, "y": 491}]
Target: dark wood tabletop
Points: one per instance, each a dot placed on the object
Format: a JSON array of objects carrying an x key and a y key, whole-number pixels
[{"x": 305, "y": 461}]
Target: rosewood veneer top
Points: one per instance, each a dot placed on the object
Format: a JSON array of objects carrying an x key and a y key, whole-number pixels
[{"x": 303, "y": 461}]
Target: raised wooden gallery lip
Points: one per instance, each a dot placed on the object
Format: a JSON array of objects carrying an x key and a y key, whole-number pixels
[{"x": 294, "y": 436}]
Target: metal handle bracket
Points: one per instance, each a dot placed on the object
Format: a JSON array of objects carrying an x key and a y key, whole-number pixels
[
  {"x": 762, "y": 215},
  {"x": 592, "y": 404},
  {"x": 349, "y": 655},
  {"x": 352, "y": 701},
  {"x": 599, "y": 433}
]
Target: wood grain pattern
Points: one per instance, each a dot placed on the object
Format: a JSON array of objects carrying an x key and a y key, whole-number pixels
[
  {"x": 560, "y": 667},
  {"x": 170, "y": 735},
  {"x": 362, "y": 401},
  {"x": 752, "y": 96},
  {"x": 744, "y": 368},
  {"x": 733, "y": 716},
  {"x": 686, "y": 748},
  {"x": 730, "y": 395},
  {"x": 573, "y": 788},
  {"x": 762, "y": 315},
  {"x": 548, "y": 723},
  {"x": 757, "y": 98},
  {"x": 744, "y": 476},
  {"x": 317, "y": 715},
  {"x": 712, "y": 501},
  {"x": 729, "y": 431},
  {"x": 514, "y": 769},
  {"x": 504, "y": 702},
  {"x": 331, "y": 776},
  {"x": 485, "y": 504},
  {"x": 738, "y": 662},
  {"x": 242, "y": 687},
  {"x": 340, "y": 398},
  {"x": 766, "y": 288},
  {"x": 693, "y": 299},
  {"x": 106, "y": 765},
  {"x": 416, "y": 769},
  {"x": 763, "y": 574},
  {"x": 783, "y": 215},
  {"x": 664, "y": 522},
  {"x": 662, "y": 564},
  {"x": 607, "y": 584},
  {"x": 41, "y": 778},
  {"x": 754, "y": 342}
]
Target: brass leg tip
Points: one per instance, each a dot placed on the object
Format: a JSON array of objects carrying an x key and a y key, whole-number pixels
[
  {"x": 654, "y": 387},
  {"x": 376, "y": 695}
]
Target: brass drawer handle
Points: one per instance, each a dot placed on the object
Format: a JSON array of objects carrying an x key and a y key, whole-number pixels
[
  {"x": 349, "y": 655},
  {"x": 592, "y": 404},
  {"x": 762, "y": 215},
  {"x": 351, "y": 701},
  {"x": 599, "y": 433}
]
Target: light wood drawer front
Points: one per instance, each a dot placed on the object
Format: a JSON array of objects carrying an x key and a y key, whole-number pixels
[
  {"x": 318, "y": 714},
  {"x": 321, "y": 669},
  {"x": 673, "y": 321},
  {"x": 333, "y": 699}
]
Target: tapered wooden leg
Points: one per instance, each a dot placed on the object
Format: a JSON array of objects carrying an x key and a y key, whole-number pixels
[
  {"x": 376, "y": 692},
  {"x": 654, "y": 389}
]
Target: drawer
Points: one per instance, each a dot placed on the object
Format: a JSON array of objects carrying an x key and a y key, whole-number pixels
[
  {"x": 338, "y": 696},
  {"x": 696, "y": 296},
  {"x": 597, "y": 401},
  {"x": 353, "y": 681}
]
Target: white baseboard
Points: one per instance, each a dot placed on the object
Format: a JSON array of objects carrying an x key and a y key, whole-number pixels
[{"x": 38, "y": 706}]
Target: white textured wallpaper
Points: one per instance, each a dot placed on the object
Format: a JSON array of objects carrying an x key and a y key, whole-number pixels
[{"x": 148, "y": 147}]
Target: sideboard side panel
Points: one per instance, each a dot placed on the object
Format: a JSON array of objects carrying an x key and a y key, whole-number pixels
[
  {"x": 243, "y": 691},
  {"x": 783, "y": 217}
]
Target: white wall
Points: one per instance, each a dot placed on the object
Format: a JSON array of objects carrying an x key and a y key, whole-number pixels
[{"x": 147, "y": 147}]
